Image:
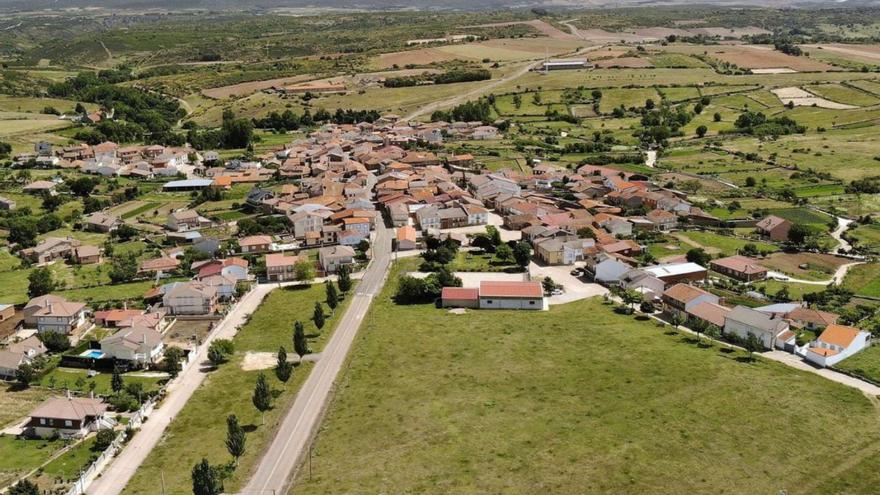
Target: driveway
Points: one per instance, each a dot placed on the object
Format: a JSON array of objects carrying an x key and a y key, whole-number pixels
[
  {"x": 797, "y": 362},
  {"x": 575, "y": 288}
]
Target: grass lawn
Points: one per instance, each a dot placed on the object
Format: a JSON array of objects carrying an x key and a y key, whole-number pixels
[
  {"x": 727, "y": 246},
  {"x": 66, "y": 468},
  {"x": 200, "y": 428},
  {"x": 467, "y": 261},
  {"x": 17, "y": 457},
  {"x": 16, "y": 404},
  {"x": 865, "y": 363},
  {"x": 102, "y": 293},
  {"x": 561, "y": 402},
  {"x": 864, "y": 280},
  {"x": 66, "y": 378}
]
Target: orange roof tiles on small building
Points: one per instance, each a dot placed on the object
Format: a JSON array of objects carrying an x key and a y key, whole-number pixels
[
  {"x": 839, "y": 335},
  {"x": 510, "y": 289},
  {"x": 460, "y": 293}
]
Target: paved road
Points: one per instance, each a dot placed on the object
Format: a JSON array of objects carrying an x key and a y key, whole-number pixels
[
  {"x": 275, "y": 470},
  {"x": 120, "y": 471},
  {"x": 797, "y": 362},
  {"x": 458, "y": 99}
]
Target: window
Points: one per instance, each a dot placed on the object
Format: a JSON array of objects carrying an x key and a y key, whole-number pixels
[
  {"x": 489, "y": 301},
  {"x": 42, "y": 421},
  {"x": 68, "y": 423},
  {"x": 532, "y": 303}
]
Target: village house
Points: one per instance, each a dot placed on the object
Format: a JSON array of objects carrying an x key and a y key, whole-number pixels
[
  {"x": 837, "y": 343},
  {"x": 40, "y": 187},
  {"x": 331, "y": 258},
  {"x": 460, "y": 297},
  {"x": 739, "y": 267},
  {"x": 185, "y": 220},
  {"x": 679, "y": 298},
  {"x": 190, "y": 298},
  {"x": 51, "y": 249},
  {"x": 606, "y": 269},
  {"x": 774, "y": 227},
  {"x": 406, "y": 238},
  {"x": 511, "y": 295},
  {"x": 235, "y": 268},
  {"x": 708, "y": 313},
  {"x": 101, "y": 222},
  {"x": 60, "y": 317},
  {"x": 773, "y": 332},
  {"x": 255, "y": 244},
  {"x": 87, "y": 255},
  {"x": 159, "y": 266},
  {"x": 139, "y": 345},
  {"x": 10, "y": 362},
  {"x": 673, "y": 273},
  {"x": 280, "y": 267},
  {"x": 68, "y": 417},
  {"x": 7, "y": 311}
]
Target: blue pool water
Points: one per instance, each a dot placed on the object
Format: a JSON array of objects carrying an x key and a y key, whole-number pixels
[{"x": 93, "y": 353}]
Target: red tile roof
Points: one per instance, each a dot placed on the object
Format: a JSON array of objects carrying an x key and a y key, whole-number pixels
[
  {"x": 460, "y": 293},
  {"x": 511, "y": 289}
]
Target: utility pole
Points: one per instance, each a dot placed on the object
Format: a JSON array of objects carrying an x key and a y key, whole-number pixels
[
  {"x": 311, "y": 448},
  {"x": 163, "y": 482}
]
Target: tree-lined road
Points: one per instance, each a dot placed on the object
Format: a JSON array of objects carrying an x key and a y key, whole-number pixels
[{"x": 276, "y": 468}]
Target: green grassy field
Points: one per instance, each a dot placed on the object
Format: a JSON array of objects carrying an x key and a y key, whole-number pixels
[
  {"x": 865, "y": 363},
  {"x": 724, "y": 245},
  {"x": 66, "y": 378},
  {"x": 864, "y": 280},
  {"x": 200, "y": 428},
  {"x": 18, "y": 456},
  {"x": 518, "y": 402}
]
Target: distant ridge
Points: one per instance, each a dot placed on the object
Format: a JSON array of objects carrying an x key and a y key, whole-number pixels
[{"x": 30, "y": 5}]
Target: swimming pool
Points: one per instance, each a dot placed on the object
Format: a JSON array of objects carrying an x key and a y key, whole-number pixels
[{"x": 93, "y": 354}]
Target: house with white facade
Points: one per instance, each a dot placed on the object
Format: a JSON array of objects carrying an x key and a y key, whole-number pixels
[
  {"x": 773, "y": 332},
  {"x": 836, "y": 343},
  {"x": 139, "y": 345}
]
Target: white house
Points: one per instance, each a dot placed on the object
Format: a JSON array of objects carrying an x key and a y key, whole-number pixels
[
  {"x": 190, "y": 298},
  {"x": 607, "y": 269},
  {"x": 771, "y": 331},
  {"x": 140, "y": 345},
  {"x": 837, "y": 343},
  {"x": 331, "y": 258},
  {"x": 511, "y": 295}
]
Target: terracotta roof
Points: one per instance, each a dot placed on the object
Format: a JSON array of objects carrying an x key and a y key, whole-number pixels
[
  {"x": 812, "y": 316},
  {"x": 510, "y": 289},
  {"x": 279, "y": 259},
  {"x": 839, "y": 335},
  {"x": 460, "y": 293},
  {"x": 740, "y": 264},
  {"x": 823, "y": 352},
  {"x": 684, "y": 292},
  {"x": 711, "y": 312},
  {"x": 771, "y": 222},
  {"x": 255, "y": 240}
]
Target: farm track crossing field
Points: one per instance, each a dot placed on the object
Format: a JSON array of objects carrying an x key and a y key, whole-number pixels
[{"x": 532, "y": 401}]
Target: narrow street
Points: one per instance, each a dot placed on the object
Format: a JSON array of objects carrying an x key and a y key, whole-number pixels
[
  {"x": 292, "y": 440},
  {"x": 123, "y": 467}
]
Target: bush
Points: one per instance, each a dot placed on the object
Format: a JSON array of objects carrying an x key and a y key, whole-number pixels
[{"x": 103, "y": 439}]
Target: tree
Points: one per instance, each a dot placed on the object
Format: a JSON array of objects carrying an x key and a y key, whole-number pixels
[
  {"x": 517, "y": 101},
  {"x": 40, "y": 282},
  {"x": 798, "y": 233},
  {"x": 702, "y": 130},
  {"x": 220, "y": 350},
  {"x": 104, "y": 439},
  {"x": 235, "y": 437},
  {"x": 713, "y": 332},
  {"x": 262, "y": 398},
  {"x": 304, "y": 270},
  {"x": 116, "y": 383},
  {"x": 300, "y": 344},
  {"x": 343, "y": 278},
  {"x": 698, "y": 256},
  {"x": 24, "y": 487},
  {"x": 503, "y": 253},
  {"x": 55, "y": 341},
  {"x": 548, "y": 285},
  {"x": 318, "y": 315},
  {"x": 631, "y": 298},
  {"x": 25, "y": 374},
  {"x": 753, "y": 345},
  {"x": 522, "y": 253},
  {"x": 173, "y": 356},
  {"x": 283, "y": 368},
  {"x": 750, "y": 181},
  {"x": 494, "y": 235},
  {"x": 206, "y": 479},
  {"x": 123, "y": 269},
  {"x": 332, "y": 296},
  {"x": 716, "y": 117}
]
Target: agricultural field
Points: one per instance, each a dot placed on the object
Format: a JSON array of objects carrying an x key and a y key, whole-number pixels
[{"x": 494, "y": 389}]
